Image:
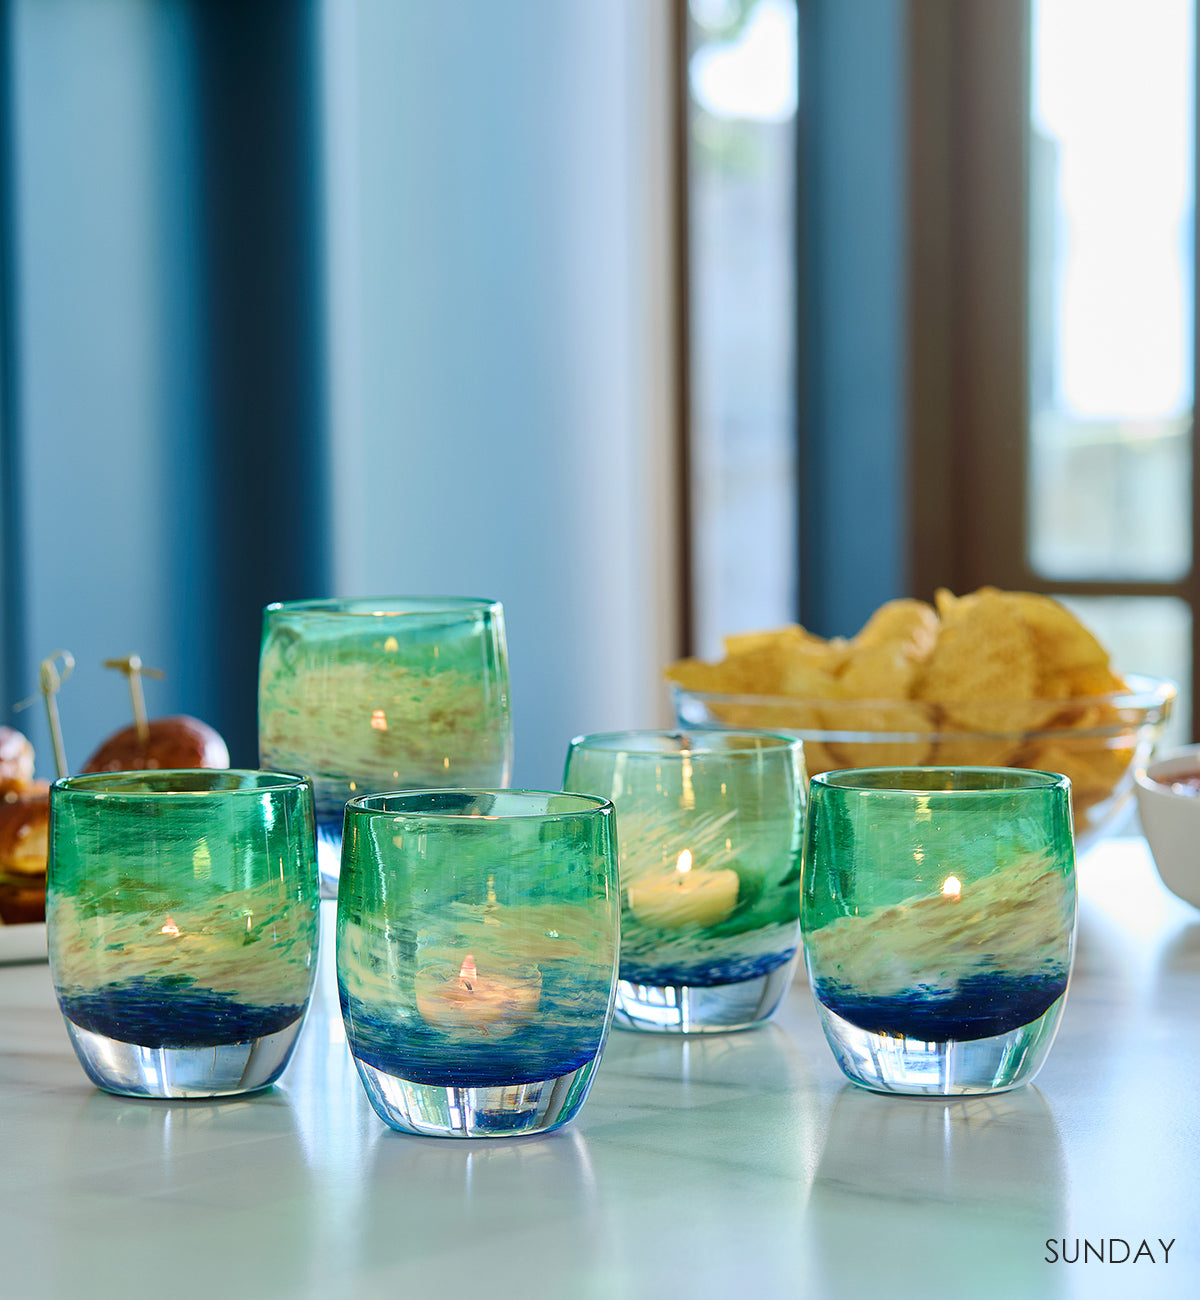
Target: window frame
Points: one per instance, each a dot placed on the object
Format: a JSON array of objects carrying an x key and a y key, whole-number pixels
[{"x": 968, "y": 409}]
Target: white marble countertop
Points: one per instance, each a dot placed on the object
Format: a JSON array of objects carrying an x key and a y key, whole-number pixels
[{"x": 733, "y": 1166}]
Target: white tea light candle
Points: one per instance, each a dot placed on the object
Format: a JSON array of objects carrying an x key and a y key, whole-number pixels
[
  {"x": 685, "y": 897},
  {"x": 460, "y": 998}
]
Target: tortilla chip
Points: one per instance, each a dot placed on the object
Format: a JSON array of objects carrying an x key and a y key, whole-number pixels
[
  {"x": 806, "y": 682},
  {"x": 1084, "y": 683},
  {"x": 883, "y": 671},
  {"x": 792, "y": 638},
  {"x": 970, "y": 752},
  {"x": 896, "y": 720},
  {"x": 696, "y": 675},
  {"x": 984, "y": 658},
  {"x": 1064, "y": 646},
  {"x": 1094, "y": 768},
  {"x": 909, "y": 625},
  {"x": 793, "y": 719}
]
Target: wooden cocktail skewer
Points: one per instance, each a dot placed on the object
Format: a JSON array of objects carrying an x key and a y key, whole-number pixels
[
  {"x": 51, "y": 681},
  {"x": 135, "y": 670},
  {"x": 177, "y": 741}
]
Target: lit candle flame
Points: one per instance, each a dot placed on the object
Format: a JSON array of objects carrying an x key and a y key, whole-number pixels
[
  {"x": 951, "y": 887},
  {"x": 170, "y": 927},
  {"x": 494, "y": 1004},
  {"x": 685, "y": 861}
]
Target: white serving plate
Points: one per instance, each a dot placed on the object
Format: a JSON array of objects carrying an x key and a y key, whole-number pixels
[{"x": 22, "y": 942}]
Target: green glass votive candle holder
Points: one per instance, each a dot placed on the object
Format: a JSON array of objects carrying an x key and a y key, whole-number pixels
[
  {"x": 387, "y": 693},
  {"x": 939, "y": 923},
  {"x": 477, "y": 943},
  {"x": 181, "y": 917},
  {"x": 709, "y": 824}
]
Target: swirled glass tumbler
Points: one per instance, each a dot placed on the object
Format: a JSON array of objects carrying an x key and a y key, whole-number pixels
[
  {"x": 939, "y": 923},
  {"x": 476, "y": 955},
  {"x": 709, "y": 824},
  {"x": 181, "y": 913},
  {"x": 392, "y": 693}
]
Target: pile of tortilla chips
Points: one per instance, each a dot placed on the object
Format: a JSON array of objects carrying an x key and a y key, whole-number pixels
[{"x": 995, "y": 678}]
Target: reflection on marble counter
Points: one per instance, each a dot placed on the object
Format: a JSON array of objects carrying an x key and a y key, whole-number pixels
[{"x": 716, "y": 1167}]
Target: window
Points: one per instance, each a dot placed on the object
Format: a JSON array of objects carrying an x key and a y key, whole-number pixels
[
  {"x": 741, "y": 90},
  {"x": 1111, "y": 275},
  {"x": 1053, "y": 289}
]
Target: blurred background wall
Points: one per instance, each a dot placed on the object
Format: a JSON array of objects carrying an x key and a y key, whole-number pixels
[{"x": 335, "y": 298}]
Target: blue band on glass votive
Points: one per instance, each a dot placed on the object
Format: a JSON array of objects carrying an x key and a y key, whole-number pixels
[
  {"x": 980, "y": 1006},
  {"x": 159, "y": 1013},
  {"x": 703, "y": 974},
  {"x": 422, "y": 1054}
]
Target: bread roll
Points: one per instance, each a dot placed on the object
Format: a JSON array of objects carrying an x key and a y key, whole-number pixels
[
  {"x": 24, "y": 827},
  {"x": 177, "y": 741},
  {"x": 16, "y": 761}
]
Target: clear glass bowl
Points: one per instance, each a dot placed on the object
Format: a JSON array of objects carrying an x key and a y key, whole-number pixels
[{"x": 1098, "y": 741}]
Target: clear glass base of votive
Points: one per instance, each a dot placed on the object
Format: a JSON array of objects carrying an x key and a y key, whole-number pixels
[
  {"x": 694, "y": 1009},
  {"x": 510, "y": 1110},
  {"x": 953, "y": 1068},
  {"x": 181, "y": 1072}
]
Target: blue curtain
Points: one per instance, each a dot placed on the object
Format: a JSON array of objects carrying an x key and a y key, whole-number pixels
[
  {"x": 490, "y": 228},
  {"x": 164, "y": 448}
]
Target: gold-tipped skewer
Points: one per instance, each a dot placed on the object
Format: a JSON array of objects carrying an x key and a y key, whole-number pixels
[{"x": 135, "y": 670}]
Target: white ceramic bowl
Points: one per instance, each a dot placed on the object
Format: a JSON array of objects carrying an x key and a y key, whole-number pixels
[{"x": 1171, "y": 820}]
